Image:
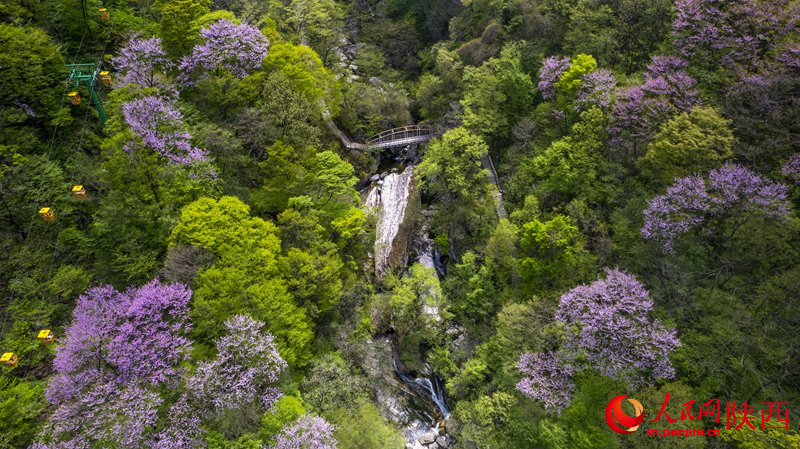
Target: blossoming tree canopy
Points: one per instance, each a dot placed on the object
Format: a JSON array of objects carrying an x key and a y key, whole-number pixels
[
  {"x": 607, "y": 328},
  {"x": 308, "y": 432},
  {"x": 614, "y": 313},
  {"x": 547, "y": 379},
  {"x": 668, "y": 89},
  {"x": 739, "y": 33},
  {"x": 246, "y": 368},
  {"x": 159, "y": 125},
  {"x": 792, "y": 168},
  {"x": 119, "y": 347},
  {"x": 237, "y": 49},
  {"x": 550, "y": 73},
  {"x": 693, "y": 200},
  {"x": 140, "y": 61}
]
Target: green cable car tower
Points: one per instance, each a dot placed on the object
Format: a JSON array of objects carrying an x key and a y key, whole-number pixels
[{"x": 88, "y": 75}]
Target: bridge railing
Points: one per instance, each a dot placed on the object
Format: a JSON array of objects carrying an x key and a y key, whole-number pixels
[{"x": 401, "y": 133}]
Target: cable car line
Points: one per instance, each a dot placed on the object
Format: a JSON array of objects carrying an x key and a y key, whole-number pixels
[{"x": 46, "y": 335}]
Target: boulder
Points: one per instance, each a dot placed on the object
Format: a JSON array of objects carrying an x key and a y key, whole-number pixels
[{"x": 429, "y": 437}]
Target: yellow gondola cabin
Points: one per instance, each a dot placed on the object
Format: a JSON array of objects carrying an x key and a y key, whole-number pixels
[
  {"x": 74, "y": 98},
  {"x": 78, "y": 192},
  {"x": 47, "y": 214},
  {"x": 104, "y": 16},
  {"x": 105, "y": 78},
  {"x": 9, "y": 359},
  {"x": 46, "y": 336}
]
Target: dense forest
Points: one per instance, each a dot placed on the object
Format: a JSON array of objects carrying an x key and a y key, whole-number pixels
[{"x": 422, "y": 224}]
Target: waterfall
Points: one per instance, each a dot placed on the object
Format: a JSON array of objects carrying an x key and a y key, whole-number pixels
[
  {"x": 435, "y": 390},
  {"x": 391, "y": 211},
  {"x": 423, "y": 385}
]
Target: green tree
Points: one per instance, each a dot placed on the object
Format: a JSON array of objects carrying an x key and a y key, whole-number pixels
[
  {"x": 484, "y": 420},
  {"x": 365, "y": 428},
  {"x": 318, "y": 23},
  {"x": 591, "y": 31},
  {"x": 573, "y": 166},
  {"x": 571, "y": 80},
  {"x": 471, "y": 291},
  {"x": 177, "y": 26},
  {"x": 308, "y": 75},
  {"x": 246, "y": 277},
  {"x": 553, "y": 253},
  {"x": 452, "y": 168},
  {"x": 331, "y": 385},
  {"x": 285, "y": 411},
  {"x": 414, "y": 307},
  {"x": 21, "y": 404},
  {"x": 689, "y": 143},
  {"x": 497, "y": 93}
]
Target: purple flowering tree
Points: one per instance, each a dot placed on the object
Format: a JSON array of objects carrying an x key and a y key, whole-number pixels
[
  {"x": 792, "y": 168},
  {"x": 731, "y": 190},
  {"x": 246, "y": 368},
  {"x": 668, "y": 89},
  {"x": 141, "y": 61},
  {"x": 608, "y": 325},
  {"x": 550, "y": 73},
  {"x": 738, "y": 34},
  {"x": 597, "y": 89},
  {"x": 547, "y": 378},
  {"x": 614, "y": 313},
  {"x": 238, "y": 49},
  {"x": 119, "y": 348},
  {"x": 183, "y": 429},
  {"x": 308, "y": 432},
  {"x": 160, "y": 128}
]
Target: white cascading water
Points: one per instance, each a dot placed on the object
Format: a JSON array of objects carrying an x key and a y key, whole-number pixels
[{"x": 391, "y": 213}]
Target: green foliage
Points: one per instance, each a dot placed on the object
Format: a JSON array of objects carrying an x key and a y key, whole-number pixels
[
  {"x": 365, "y": 428},
  {"x": 574, "y": 165},
  {"x": 496, "y": 94},
  {"x": 471, "y": 291},
  {"x": 246, "y": 277},
  {"x": 318, "y": 23},
  {"x": 177, "y": 27},
  {"x": 412, "y": 306},
  {"x": 554, "y": 253},
  {"x": 281, "y": 235},
  {"x": 689, "y": 143},
  {"x": 303, "y": 67},
  {"x": 469, "y": 382},
  {"x": 32, "y": 76},
  {"x": 69, "y": 281},
  {"x": 285, "y": 411},
  {"x": 20, "y": 405},
  {"x": 744, "y": 438},
  {"x": 452, "y": 167},
  {"x": 484, "y": 419},
  {"x": 331, "y": 384},
  {"x": 571, "y": 80}
]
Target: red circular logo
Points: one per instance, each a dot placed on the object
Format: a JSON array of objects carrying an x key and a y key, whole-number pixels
[{"x": 614, "y": 415}]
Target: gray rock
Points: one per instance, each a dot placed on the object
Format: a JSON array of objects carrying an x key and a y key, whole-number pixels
[
  {"x": 380, "y": 183},
  {"x": 429, "y": 437},
  {"x": 374, "y": 177},
  {"x": 394, "y": 170},
  {"x": 441, "y": 441},
  {"x": 384, "y": 175}
]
